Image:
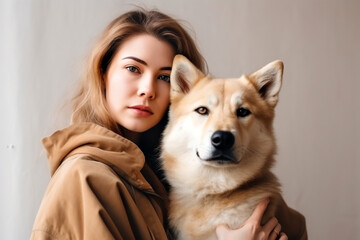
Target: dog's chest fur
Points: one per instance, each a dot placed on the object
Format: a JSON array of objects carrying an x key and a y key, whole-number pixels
[{"x": 196, "y": 216}]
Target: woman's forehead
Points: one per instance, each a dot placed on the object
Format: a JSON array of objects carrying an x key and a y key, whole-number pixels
[{"x": 148, "y": 50}]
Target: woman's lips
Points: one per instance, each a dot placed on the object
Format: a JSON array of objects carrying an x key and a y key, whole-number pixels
[{"x": 142, "y": 110}]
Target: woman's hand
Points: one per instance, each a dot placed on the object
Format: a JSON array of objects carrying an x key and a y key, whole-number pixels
[{"x": 251, "y": 228}]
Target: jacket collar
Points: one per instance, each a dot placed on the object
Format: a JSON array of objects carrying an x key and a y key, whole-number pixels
[{"x": 103, "y": 145}]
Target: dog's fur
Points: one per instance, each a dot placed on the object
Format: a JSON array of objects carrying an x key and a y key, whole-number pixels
[{"x": 217, "y": 151}]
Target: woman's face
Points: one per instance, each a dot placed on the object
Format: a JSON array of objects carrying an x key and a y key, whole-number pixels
[{"x": 137, "y": 82}]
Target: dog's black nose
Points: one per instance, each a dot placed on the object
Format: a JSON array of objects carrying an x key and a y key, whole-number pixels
[{"x": 222, "y": 140}]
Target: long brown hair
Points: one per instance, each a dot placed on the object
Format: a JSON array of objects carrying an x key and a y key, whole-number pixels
[{"x": 89, "y": 104}]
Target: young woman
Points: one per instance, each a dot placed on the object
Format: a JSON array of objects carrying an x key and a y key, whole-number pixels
[{"x": 104, "y": 172}]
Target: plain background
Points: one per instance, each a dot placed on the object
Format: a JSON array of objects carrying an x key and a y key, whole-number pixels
[{"x": 44, "y": 42}]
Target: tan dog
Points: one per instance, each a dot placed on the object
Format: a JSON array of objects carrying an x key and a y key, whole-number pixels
[{"x": 218, "y": 148}]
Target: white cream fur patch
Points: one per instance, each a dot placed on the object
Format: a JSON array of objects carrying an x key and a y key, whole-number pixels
[{"x": 213, "y": 100}]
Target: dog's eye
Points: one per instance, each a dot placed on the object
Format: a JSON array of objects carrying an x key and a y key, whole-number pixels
[
  {"x": 202, "y": 110},
  {"x": 242, "y": 112}
]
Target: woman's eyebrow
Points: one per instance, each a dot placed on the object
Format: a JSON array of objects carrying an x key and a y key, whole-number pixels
[
  {"x": 144, "y": 63},
  {"x": 136, "y": 59},
  {"x": 166, "y": 68}
]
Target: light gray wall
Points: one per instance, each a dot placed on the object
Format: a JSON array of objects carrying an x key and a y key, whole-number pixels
[{"x": 43, "y": 44}]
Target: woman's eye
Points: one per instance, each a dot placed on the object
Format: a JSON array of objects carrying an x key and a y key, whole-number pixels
[
  {"x": 242, "y": 112},
  {"x": 165, "y": 78},
  {"x": 202, "y": 111},
  {"x": 132, "y": 69}
]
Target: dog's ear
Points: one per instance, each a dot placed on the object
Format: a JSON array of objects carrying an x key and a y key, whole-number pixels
[
  {"x": 183, "y": 75},
  {"x": 268, "y": 81}
]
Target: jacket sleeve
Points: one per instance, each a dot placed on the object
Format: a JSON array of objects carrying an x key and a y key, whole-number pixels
[
  {"x": 87, "y": 200},
  {"x": 292, "y": 222}
]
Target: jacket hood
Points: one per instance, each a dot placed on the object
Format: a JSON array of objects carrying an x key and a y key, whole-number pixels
[{"x": 102, "y": 145}]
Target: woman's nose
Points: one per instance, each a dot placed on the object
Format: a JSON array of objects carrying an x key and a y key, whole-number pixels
[{"x": 147, "y": 87}]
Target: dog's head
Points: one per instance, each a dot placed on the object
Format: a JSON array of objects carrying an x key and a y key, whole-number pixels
[{"x": 220, "y": 130}]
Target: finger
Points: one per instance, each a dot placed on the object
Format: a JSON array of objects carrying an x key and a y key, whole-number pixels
[
  {"x": 271, "y": 225},
  {"x": 277, "y": 229},
  {"x": 283, "y": 236},
  {"x": 259, "y": 210},
  {"x": 275, "y": 232},
  {"x": 273, "y": 236}
]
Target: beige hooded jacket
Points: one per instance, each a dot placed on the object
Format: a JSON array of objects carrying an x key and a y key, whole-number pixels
[{"x": 100, "y": 188}]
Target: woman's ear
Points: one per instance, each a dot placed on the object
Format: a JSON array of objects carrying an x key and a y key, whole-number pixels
[{"x": 183, "y": 76}]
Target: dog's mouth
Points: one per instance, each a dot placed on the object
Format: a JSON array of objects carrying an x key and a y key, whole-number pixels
[{"x": 220, "y": 157}]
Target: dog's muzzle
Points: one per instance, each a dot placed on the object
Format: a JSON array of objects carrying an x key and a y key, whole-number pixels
[{"x": 223, "y": 142}]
